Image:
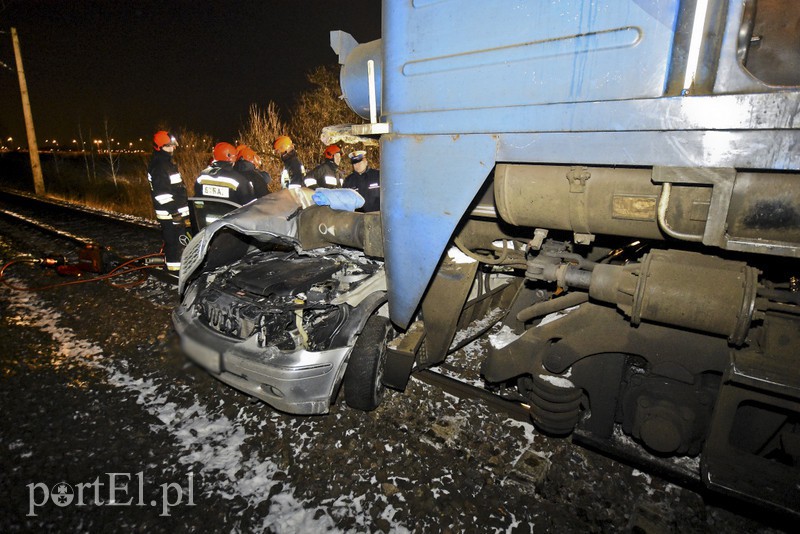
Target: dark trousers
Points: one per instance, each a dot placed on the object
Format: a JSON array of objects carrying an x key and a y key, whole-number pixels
[{"x": 172, "y": 233}]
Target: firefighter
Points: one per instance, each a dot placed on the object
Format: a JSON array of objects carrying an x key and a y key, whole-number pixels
[
  {"x": 327, "y": 174},
  {"x": 293, "y": 170},
  {"x": 247, "y": 164},
  {"x": 220, "y": 180},
  {"x": 169, "y": 198},
  {"x": 365, "y": 180}
]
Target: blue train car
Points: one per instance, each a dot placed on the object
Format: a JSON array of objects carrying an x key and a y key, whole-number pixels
[{"x": 631, "y": 164}]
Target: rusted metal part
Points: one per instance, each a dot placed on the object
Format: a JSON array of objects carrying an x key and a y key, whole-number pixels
[
  {"x": 592, "y": 341},
  {"x": 442, "y": 306},
  {"x": 400, "y": 355},
  {"x": 514, "y": 409},
  {"x": 683, "y": 289},
  {"x": 555, "y": 407},
  {"x": 595, "y": 200},
  {"x": 753, "y": 446},
  {"x": 543, "y": 308},
  {"x": 321, "y": 226},
  {"x": 749, "y": 211},
  {"x": 594, "y": 329}
]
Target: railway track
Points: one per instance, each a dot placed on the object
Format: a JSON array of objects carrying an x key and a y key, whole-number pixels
[
  {"x": 79, "y": 226},
  {"x": 129, "y": 236},
  {"x": 56, "y": 229}
]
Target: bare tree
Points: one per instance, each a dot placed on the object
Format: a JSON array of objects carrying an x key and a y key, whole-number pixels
[
  {"x": 323, "y": 106},
  {"x": 192, "y": 156},
  {"x": 91, "y": 154},
  {"x": 263, "y": 126},
  {"x": 315, "y": 109},
  {"x": 83, "y": 152},
  {"x": 113, "y": 161}
]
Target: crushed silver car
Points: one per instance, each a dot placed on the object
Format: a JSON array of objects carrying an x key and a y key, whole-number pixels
[{"x": 276, "y": 304}]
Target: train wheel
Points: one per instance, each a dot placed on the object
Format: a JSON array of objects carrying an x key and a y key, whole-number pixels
[{"x": 363, "y": 385}]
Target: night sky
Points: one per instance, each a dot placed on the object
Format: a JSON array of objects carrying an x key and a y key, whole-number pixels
[{"x": 140, "y": 63}]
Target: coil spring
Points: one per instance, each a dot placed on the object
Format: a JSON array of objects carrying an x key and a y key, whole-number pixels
[{"x": 554, "y": 409}]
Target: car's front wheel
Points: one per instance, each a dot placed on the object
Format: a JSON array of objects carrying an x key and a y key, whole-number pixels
[{"x": 363, "y": 384}]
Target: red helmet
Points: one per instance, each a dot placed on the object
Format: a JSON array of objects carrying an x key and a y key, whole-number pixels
[
  {"x": 282, "y": 144},
  {"x": 224, "y": 152},
  {"x": 163, "y": 138},
  {"x": 246, "y": 153},
  {"x": 331, "y": 151}
]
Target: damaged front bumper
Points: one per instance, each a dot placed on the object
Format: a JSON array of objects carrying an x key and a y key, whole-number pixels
[{"x": 297, "y": 382}]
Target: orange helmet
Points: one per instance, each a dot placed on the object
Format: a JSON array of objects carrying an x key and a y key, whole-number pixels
[
  {"x": 282, "y": 144},
  {"x": 224, "y": 152},
  {"x": 246, "y": 153},
  {"x": 331, "y": 151},
  {"x": 163, "y": 138}
]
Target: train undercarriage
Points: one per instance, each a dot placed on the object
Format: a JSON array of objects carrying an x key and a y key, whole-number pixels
[{"x": 684, "y": 352}]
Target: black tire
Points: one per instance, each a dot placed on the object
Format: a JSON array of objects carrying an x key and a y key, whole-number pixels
[{"x": 363, "y": 385}]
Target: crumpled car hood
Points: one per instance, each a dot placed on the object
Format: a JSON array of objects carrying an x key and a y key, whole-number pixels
[{"x": 268, "y": 218}]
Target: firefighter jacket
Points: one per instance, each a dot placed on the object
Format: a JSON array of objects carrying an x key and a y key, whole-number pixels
[
  {"x": 166, "y": 186},
  {"x": 259, "y": 179},
  {"x": 326, "y": 174},
  {"x": 368, "y": 184},
  {"x": 293, "y": 171},
  {"x": 220, "y": 180}
]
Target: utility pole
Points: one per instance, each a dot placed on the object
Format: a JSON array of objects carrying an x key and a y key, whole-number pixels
[{"x": 33, "y": 148}]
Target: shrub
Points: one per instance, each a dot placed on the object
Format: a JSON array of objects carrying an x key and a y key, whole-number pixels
[{"x": 192, "y": 156}]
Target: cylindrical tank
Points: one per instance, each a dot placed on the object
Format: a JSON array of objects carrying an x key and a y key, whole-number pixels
[
  {"x": 591, "y": 200},
  {"x": 683, "y": 289},
  {"x": 355, "y": 81}
]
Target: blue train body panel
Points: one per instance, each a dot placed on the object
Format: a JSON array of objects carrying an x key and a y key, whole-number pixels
[
  {"x": 465, "y": 85},
  {"x": 457, "y": 56}
]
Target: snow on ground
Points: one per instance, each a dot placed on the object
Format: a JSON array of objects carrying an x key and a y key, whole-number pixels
[{"x": 211, "y": 442}]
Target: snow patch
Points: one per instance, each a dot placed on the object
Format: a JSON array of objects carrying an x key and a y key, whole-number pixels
[
  {"x": 549, "y": 318},
  {"x": 502, "y": 338},
  {"x": 459, "y": 257},
  {"x": 558, "y": 381}
]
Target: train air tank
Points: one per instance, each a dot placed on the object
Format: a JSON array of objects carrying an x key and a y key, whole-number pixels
[{"x": 353, "y": 77}]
